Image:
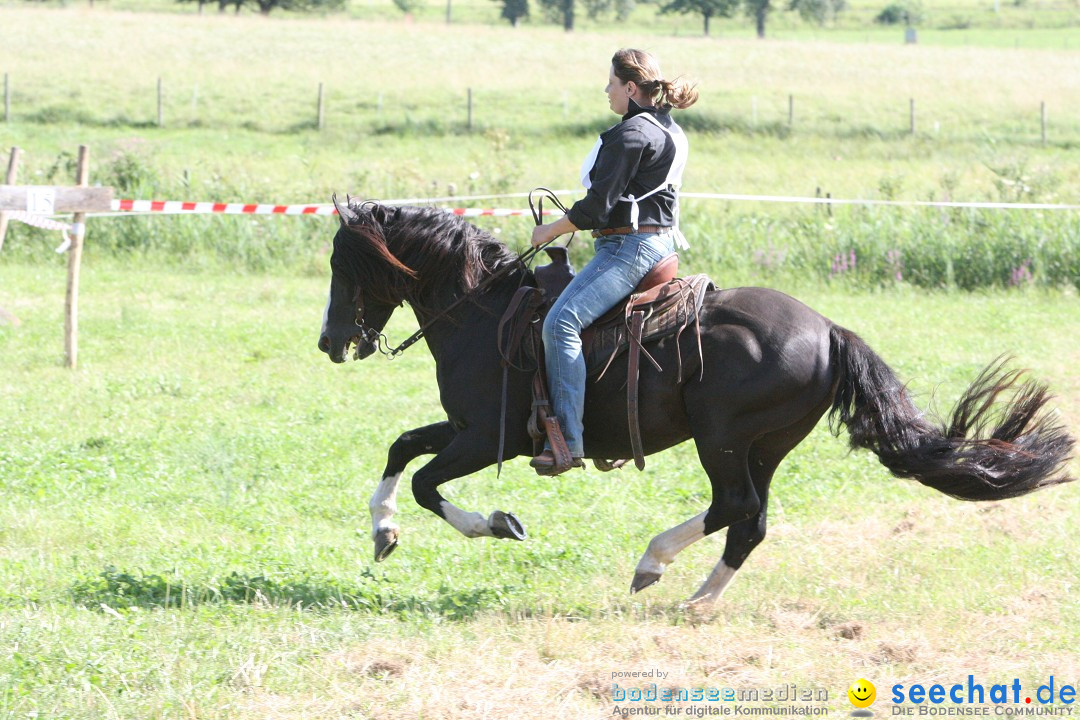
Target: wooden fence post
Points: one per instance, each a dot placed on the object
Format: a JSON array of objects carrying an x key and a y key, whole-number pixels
[
  {"x": 160, "y": 105},
  {"x": 790, "y": 110},
  {"x": 12, "y": 173},
  {"x": 1042, "y": 114},
  {"x": 321, "y": 116},
  {"x": 468, "y": 123},
  {"x": 912, "y": 116},
  {"x": 71, "y": 300}
]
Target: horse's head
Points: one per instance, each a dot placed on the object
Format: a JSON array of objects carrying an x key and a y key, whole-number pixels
[{"x": 366, "y": 285}]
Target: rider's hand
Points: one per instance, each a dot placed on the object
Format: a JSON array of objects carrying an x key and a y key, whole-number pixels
[
  {"x": 546, "y": 233},
  {"x": 542, "y": 234}
]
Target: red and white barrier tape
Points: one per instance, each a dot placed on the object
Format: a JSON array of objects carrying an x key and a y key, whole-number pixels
[
  {"x": 123, "y": 207},
  {"x": 175, "y": 207},
  {"x": 880, "y": 203}
]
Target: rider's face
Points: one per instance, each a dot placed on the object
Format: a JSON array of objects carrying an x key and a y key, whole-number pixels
[{"x": 618, "y": 93}]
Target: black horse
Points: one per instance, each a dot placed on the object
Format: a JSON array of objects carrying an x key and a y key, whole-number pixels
[{"x": 772, "y": 368}]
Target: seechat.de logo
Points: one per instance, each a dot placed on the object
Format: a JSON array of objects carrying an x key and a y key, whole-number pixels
[{"x": 862, "y": 695}]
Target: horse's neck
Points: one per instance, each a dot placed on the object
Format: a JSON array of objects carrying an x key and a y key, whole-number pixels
[{"x": 471, "y": 324}]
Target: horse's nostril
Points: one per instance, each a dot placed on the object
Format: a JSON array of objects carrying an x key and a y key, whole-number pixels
[{"x": 324, "y": 344}]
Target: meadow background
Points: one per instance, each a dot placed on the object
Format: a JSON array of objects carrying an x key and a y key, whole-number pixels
[{"x": 184, "y": 524}]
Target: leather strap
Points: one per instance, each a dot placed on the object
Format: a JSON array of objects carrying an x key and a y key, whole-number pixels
[
  {"x": 628, "y": 230},
  {"x": 637, "y": 322},
  {"x": 519, "y": 321},
  {"x": 502, "y": 419},
  {"x": 540, "y": 408}
]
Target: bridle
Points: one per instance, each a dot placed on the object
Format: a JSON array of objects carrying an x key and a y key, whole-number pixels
[
  {"x": 523, "y": 261},
  {"x": 369, "y": 334}
]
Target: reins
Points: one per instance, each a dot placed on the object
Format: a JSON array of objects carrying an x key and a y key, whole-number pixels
[{"x": 523, "y": 260}]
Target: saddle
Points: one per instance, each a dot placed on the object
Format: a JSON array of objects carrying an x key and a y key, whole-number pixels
[{"x": 661, "y": 305}]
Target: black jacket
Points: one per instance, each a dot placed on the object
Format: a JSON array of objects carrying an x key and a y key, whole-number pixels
[{"x": 634, "y": 157}]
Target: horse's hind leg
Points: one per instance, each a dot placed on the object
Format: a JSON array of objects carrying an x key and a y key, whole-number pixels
[
  {"x": 742, "y": 537},
  {"x": 734, "y": 500},
  {"x": 409, "y": 445},
  {"x": 766, "y": 454}
]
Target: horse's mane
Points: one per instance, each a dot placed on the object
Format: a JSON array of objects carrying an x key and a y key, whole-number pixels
[{"x": 410, "y": 253}]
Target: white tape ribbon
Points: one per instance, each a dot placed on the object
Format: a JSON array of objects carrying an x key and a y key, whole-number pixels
[{"x": 46, "y": 224}]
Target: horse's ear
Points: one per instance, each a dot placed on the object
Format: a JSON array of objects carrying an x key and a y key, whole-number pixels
[{"x": 346, "y": 214}]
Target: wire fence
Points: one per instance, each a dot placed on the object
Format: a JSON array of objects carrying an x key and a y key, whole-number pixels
[{"x": 189, "y": 105}]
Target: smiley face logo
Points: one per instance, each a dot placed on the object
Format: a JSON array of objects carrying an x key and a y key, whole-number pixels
[{"x": 862, "y": 693}]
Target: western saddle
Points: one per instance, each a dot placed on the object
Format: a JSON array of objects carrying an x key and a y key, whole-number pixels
[{"x": 661, "y": 305}]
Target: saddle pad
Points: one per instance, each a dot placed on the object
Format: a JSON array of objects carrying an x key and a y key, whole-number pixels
[{"x": 676, "y": 307}]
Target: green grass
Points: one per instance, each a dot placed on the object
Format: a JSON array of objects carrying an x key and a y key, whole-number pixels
[
  {"x": 184, "y": 523},
  {"x": 238, "y": 130},
  {"x": 953, "y": 22},
  {"x": 184, "y": 528}
]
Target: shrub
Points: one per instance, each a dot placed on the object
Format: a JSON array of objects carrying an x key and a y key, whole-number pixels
[{"x": 908, "y": 13}]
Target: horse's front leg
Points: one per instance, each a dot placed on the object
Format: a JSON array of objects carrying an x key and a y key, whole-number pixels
[
  {"x": 410, "y": 445},
  {"x": 467, "y": 453}
]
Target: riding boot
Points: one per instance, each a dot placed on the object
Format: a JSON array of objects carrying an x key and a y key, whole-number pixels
[
  {"x": 556, "y": 458},
  {"x": 546, "y": 464}
]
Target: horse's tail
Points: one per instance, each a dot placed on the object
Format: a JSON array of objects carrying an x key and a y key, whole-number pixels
[{"x": 971, "y": 458}]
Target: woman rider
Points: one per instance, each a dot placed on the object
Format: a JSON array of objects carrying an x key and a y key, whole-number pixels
[{"x": 632, "y": 177}]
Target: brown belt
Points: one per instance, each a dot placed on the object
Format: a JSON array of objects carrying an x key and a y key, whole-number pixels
[{"x": 627, "y": 230}]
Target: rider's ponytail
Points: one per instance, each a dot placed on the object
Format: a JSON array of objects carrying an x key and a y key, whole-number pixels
[
  {"x": 678, "y": 93},
  {"x": 642, "y": 68}
]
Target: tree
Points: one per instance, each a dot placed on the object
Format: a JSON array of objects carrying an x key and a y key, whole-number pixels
[
  {"x": 560, "y": 9},
  {"x": 597, "y": 9},
  {"x": 708, "y": 9},
  {"x": 759, "y": 10},
  {"x": 409, "y": 6},
  {"x": 266, "y": 6},
  {"x": 514, "y": 10},
  {"x": 908, "y": 12},
  {"x": 222, "y": 4},
  {"x": 819, "y": 11}
]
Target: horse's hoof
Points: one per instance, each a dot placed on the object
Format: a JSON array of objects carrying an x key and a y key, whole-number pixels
[
  {"x": 386, "y": 542},
  {"x": 505, "y": 526},
  {"x": 643, "y": 580}
]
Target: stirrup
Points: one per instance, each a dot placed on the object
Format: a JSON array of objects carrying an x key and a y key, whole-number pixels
[
  {"x": 608, "y": 465},
  {"x": 545, "y": 464},
  {"x": 558, "y": 459}
]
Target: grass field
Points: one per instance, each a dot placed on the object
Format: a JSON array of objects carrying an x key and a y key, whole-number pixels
[
  {"x": 396, "y": 97},
  {"x": 239, "y": 128},
  {"x": 183, "y": 530},
  {"x": 951, "y": 22},
  {"x": 184, "y": 521}
]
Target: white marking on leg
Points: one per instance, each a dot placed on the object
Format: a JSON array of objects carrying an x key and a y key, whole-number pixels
[
  {"x": 717, "y": 582},
  {"x": 469, "y": 524},
  {"x": 664, "y": 547},
  {"x": 383, "y": 505}
]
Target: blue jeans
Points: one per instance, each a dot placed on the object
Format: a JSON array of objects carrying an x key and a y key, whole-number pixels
[{"x": 621, "y": 261}]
